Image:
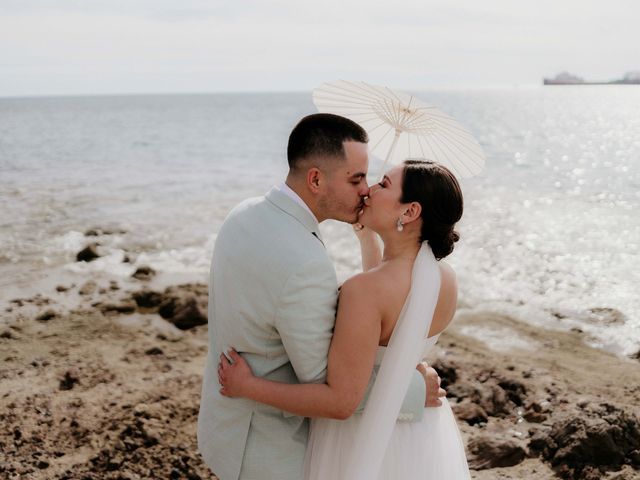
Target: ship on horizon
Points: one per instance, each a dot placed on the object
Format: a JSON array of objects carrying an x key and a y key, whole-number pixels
[{"x": 566, "y": 78}]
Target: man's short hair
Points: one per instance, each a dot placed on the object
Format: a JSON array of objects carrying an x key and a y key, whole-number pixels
[{"x": 322, "y": 135}]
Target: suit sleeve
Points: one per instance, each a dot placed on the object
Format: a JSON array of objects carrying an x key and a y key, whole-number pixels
[
  {"x": 413, "y": 404},
  {"x": 305, "y": 318}
]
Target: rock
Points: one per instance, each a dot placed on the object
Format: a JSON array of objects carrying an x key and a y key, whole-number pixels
[
  {"x": 61, "y": 288},
  {"x": 88, "y": 254},
  {"x": 88, "y": 288},
  {"x": 516, "y": 391},
  {"x": 144, "y": 273},
  {"x": 185, "y": 306},
  {"x": 97, "y": 231},
  {"x": 46, "y": 316},
  {"x": 534, "y": 417},
  {"x": 470, "y": 413},
  {"x": 69, "y": 380},
  {"x": 606, "y": 316},
  {"x": 446, "y": 371},
  {"x": 148, "y": 299},
  {"x": 154, "y": 351},
  {"x": 7, "y": 334},
  {"x": 114, "y": 308},
  {"x": 184, "y": 313},
  {"x": 495, "y": 401},
  {"x": 463, "y": 390},
  {"x": 604, "y": 436},
  {"x": 583, "y": 403},
  {"x": 42, "y": 464},
  {"x": 491, "y": 451}
]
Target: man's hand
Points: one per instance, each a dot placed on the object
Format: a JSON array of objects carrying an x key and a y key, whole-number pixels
[{"x": 432, "y": 381}]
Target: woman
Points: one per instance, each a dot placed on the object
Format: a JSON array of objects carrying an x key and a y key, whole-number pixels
[{"x": 403, "y": 300}]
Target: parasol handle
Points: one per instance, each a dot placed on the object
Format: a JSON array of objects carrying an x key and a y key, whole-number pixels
[{"x": 391, "y": 149}]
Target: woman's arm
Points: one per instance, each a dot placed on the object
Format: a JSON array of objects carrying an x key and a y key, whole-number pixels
[
  {"x": 370, "y": 248},
  {"x": 351, "y": 357}
]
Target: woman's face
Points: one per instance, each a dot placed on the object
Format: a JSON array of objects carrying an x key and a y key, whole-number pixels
[{"x": 383, "y": 208}]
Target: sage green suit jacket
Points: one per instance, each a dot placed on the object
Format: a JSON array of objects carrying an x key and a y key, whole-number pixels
[{"x": 272, "y": 296}]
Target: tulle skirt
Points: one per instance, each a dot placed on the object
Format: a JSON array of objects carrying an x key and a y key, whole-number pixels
[{"x": 426, "y": 450}]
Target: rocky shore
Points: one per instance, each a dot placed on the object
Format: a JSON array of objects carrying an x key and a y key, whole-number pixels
[{"x": 100, "y": 379}]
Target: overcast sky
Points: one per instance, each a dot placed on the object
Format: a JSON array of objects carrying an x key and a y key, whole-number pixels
[{"x": 149, "y": 46}]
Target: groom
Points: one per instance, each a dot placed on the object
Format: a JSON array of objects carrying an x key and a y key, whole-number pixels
[{"x": 272, "y": 296}]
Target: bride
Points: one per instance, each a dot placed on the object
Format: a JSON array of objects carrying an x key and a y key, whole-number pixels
[{"x": 388, "y": 317}]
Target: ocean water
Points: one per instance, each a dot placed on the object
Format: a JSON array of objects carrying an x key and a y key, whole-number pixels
[{"x": 550, "y": 235}]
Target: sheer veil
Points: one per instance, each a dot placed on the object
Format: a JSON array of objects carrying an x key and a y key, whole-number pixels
[{"x": 401, "y": 357}]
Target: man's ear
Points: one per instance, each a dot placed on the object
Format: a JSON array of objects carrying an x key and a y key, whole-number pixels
[
  {"x": 314, "y": 179},
  {"x": 412, "y": 212}
]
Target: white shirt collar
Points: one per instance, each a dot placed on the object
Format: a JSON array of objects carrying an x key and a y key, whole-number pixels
[{"x": 284, "y": 188}]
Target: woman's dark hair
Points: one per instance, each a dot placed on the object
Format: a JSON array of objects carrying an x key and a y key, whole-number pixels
[
  {"x": 436, "y": 189},
  {"x": 322, "y": 134}
]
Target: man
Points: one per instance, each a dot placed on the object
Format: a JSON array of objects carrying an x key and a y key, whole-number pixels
[{"x": 272, "y": 296}]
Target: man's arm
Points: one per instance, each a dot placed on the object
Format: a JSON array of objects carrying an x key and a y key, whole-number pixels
[{"x": 305, "y": 318}]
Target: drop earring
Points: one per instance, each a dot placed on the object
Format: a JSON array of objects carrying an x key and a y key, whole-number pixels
[{"x": 399, "y": 225}]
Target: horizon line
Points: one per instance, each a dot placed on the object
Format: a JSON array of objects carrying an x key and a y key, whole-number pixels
[{"x": 252, "y": 92}]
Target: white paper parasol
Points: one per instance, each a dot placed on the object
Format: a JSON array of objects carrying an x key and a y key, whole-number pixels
[{"x": 400, "y": 126}]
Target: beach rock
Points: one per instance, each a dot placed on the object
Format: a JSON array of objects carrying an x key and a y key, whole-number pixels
[
  {"x": 125, "y": 306},
  {"x": 144, "y": 273},
  {"x": 534, "y": 417},
  {"x": 492, "y": 398},
  {"x": 185, "y": 305},
  {"x": 154, "y": 351},
  {"x": 97, "y": 231},
  {"x": 148, "y": 298},
  {"x": 184, "y": 312},
  {"x": 470, "y": 413},
  {"x": 446, "y": 371},
  {"x": 7, "y": 334},
  {"x": 606, "y": 316},
  {"x": 46, "y": 315},
  {"x": 69, "y": 380},
  {"x": 605, "y": 435},
  {"x": 61, "y": 288},
  {"x": 88, "y": 254},
  {"x": 516, "y": 391},
  {"x": 492, "y": 451},
  {"x": 88, "y": 288}
]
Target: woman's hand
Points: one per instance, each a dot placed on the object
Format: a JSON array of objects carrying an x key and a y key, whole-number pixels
[
  {"x": 234, "y": 377},
  {"x": 363, "y": 233},
  {"x": 369, "y": 246}
]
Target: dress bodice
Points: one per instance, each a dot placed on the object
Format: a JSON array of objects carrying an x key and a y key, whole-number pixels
[{"x": 428, "y": 344}]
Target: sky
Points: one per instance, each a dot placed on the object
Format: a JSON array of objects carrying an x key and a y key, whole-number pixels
[{"x": 67, "y": 47}]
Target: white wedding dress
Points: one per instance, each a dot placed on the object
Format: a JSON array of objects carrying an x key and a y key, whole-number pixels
[{"x": 376, "y": 446}]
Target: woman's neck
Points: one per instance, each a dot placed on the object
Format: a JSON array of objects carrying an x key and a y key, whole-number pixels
[{"x": 400, "y": 247}]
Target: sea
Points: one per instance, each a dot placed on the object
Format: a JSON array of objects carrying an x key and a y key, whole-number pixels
[{"x": 550, "y": 233}]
